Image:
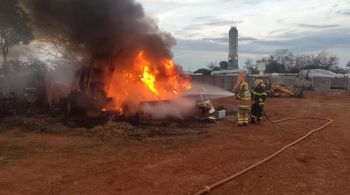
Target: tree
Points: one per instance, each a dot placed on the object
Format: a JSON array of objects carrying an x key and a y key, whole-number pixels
[
  {"x": 326, "y": 60},
  {"x": 15, "y": 28},
  {"x": 251, "y": 66},
  {"x": 273, "y": 65},
  {"x": 223, "y": 65},
  {"x": 303, "y": 60},
  {"x": 249, "y": 63},
  {"x": 284, "y": 58},
  {"x": 203, "y": 71},
  {"x": 280, "y": 61},
  {"x": 214, "y": 66},
  {"x": 348, "y": 65}
]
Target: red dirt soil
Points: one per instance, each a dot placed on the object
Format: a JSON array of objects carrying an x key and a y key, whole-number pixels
[{"x": 47, "y": 163}]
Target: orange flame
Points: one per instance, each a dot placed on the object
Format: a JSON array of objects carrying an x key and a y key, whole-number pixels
[{"x": 146, "y": 80}]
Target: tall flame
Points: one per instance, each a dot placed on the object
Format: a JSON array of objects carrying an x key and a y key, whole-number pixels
[
  {"x": 149, "y": 79},
  {"x": 146, "y": 80}
]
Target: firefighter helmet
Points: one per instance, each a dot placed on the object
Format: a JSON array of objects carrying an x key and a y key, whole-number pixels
[
  {"x": 244, "y": 85},
  {"x": 259, "y": 82}
]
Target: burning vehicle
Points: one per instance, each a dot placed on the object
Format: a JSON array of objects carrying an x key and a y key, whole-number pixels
[
  {"x": 145, "y": 87},
  {"x": 124, "y": 65},
  {"x": 127, "y": 60}
]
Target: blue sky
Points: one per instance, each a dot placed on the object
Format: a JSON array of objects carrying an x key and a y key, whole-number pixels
[{"x": 302, "y": 26}]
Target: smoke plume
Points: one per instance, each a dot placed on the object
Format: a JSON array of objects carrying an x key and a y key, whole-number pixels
[
  {"x": 124, "y": 49},
  {"x": 103, "y": 28}
]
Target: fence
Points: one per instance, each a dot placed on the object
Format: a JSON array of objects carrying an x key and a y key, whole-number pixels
[{"x": 319, "y": 84}]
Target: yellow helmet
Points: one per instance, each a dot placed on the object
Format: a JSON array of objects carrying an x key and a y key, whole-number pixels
[
  {"x": 244, "y": 85},
  {"x": 259, "y": 82}
]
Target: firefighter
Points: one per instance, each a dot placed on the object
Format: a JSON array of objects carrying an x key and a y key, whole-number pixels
[
  {"x": 244, "y": 97},
  {"x": 259, "y": 97}
]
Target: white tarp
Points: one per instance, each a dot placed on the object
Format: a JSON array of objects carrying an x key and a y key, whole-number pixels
[
  {"x": 308, "y": 74},
  {"x": 318, "y": 73}
]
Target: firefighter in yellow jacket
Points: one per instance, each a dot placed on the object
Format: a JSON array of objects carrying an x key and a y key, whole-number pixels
[{"x": 244, "y": 97}]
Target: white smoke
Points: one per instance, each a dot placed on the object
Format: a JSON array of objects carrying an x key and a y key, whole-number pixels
[
  {"x": 179, "y": 108},
  {"x": 207, "y": 91}
]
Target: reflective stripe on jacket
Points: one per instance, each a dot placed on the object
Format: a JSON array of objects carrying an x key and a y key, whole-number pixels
[
  {"x": 259, "y": 94},
  {"x": 245, "y": 98}
]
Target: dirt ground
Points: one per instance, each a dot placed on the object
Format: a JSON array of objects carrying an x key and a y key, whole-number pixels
[{"x": 75, "y": 162}]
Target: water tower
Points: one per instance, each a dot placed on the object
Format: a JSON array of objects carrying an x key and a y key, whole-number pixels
[{"x": 233, "y": 49}]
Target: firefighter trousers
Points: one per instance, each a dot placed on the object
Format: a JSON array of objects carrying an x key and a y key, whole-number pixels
[
  {"x": 243, "y": 116},
  {"x": 256, "y": 111}
]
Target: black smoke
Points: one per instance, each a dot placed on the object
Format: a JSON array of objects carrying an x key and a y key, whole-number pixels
[{"x": 103, "y": 28}]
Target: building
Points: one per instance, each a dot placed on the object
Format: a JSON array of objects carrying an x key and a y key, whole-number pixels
[{"x": 233, "y": 49}]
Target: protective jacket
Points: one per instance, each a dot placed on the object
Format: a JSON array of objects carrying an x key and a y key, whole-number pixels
[
  {"x": 244, "y": 98},
  {"x": 259, "y": 94}
]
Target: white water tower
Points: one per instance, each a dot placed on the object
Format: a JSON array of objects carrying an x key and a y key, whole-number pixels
[{"x": 233, "y": 49}]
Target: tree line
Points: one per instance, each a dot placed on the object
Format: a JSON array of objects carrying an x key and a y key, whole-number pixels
[{"x": 284, "y": 61}]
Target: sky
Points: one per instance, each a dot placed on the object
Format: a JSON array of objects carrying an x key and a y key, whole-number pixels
[{"x": 302, "y": 26}]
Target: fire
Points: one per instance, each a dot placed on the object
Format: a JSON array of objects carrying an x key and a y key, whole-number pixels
[
  {"x": 149, "y": 79},
  {"x": 146, "y": 79}
]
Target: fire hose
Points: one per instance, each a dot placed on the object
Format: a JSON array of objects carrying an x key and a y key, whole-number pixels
[{"x": 209, "y": 188}]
